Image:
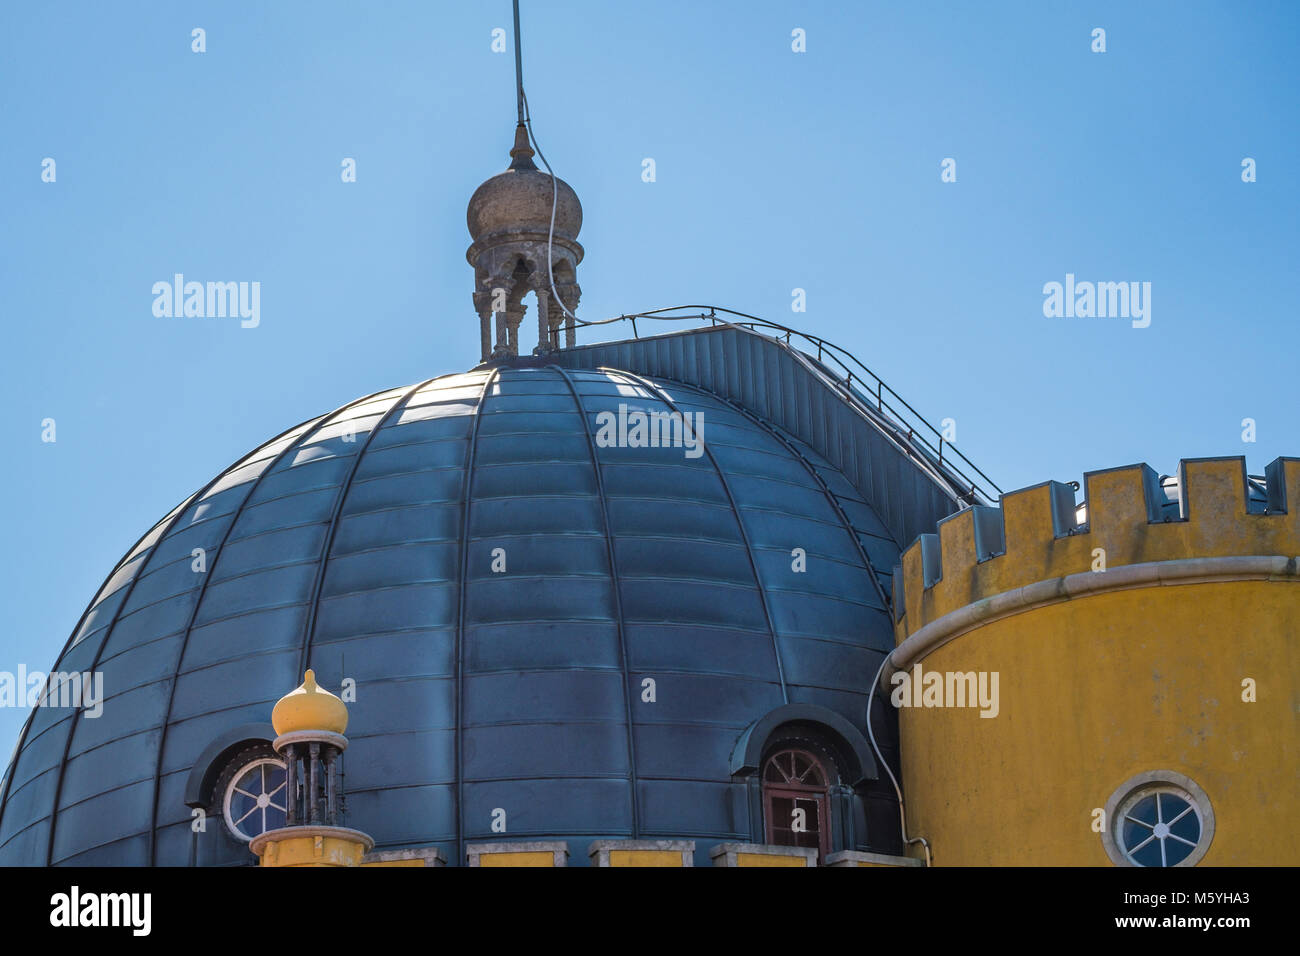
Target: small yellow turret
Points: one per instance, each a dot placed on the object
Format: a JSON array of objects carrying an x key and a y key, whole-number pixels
[
  {"x": 309, "y": 723},
  {"x": 309, "y": 708}
]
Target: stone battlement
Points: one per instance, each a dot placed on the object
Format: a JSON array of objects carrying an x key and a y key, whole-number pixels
[{"x": 1037, "y": 534}]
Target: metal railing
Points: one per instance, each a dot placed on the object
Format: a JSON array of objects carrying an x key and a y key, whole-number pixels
[{"x": 877, "y": 397}]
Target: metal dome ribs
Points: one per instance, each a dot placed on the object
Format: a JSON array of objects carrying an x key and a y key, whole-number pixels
[{"x": 363, "y": 542}]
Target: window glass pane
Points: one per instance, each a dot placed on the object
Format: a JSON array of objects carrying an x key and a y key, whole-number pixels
[
  {"x": 1149, "y": 855},
  {"x": 782, "y": 817},
  {"x": 812, "y": 823},
  {"x": 256, "y": 799},
  {"x": 1134, "y": 833},
  {"x": 240, "y": 805},
  {"x": 1145, "y": 810},
  {"x": 1160, "y": 825},
  {"x": 1176, "y": 852},
  {"x": 1171, "y": 806},
  {"x": 1189, "y": 828}
]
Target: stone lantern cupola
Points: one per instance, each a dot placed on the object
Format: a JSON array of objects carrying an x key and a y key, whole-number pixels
[{"x": 509, "y": 219}]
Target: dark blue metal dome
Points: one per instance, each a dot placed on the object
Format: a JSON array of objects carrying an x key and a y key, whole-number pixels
[{"x": 362, "y": 543}]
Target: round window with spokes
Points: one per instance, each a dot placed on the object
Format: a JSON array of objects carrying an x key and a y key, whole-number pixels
[
  {"x": 254, "y": 801},
  {"x": 1159, "y": 828},
  {"x": 1157, "y": 819}
]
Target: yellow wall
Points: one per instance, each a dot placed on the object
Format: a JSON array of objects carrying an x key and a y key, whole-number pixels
[
  {"x": 313, "y": 850},
  {"x": 645, "y": 858},
  {"x": 1097, "y": 690},
  {"x": 400, "y": 863}
]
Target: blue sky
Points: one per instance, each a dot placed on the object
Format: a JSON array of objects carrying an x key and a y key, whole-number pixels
[{"x": 775, "y": 171}]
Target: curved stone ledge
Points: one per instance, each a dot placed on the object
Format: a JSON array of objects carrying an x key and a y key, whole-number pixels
[{"x": 1084, "y": 584}]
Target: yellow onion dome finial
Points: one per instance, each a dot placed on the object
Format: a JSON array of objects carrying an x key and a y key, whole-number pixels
[{"x": 309, "y": 708}]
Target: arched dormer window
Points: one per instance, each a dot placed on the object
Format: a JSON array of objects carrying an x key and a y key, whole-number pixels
[
  {"x": 805, "y": 757},
  {"x": 796, "y": 804}
]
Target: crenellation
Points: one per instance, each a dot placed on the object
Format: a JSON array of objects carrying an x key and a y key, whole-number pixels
[
  {"x": 1119, "y": 500},
  {"x": 910, "y": 560},
  {"x": 1214, "y": 489},
  {"x": 1133, "y": 494},
  {"x": 990, "y": 536},
  {"x": 1035, "y": 535},
  {"x": 931, "y": 564},
  {"x": 956, "y": 540},
  {"x": 1281, "y": 475},
  {"x": 1027, "y": 512}
]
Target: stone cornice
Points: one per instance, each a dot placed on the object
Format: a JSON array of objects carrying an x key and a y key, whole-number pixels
[{"x": 1083, "y": 584}]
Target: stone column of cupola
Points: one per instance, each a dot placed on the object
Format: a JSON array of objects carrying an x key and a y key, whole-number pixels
[
  {"x": 502, "y": 348},
  {"x": 569, "y": 293},
  {"x": 483, "y": 306},
  {"x": 485, "y": 335},
  {"x": 543, "y": 320},
  {"x": 513, "y": 318},
  {"x": 309, "y": 723}
]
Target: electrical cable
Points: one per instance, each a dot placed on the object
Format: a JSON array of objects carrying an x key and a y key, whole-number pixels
[
  {"x": 902, "y": 814},
  {"x": 526, "y": 119},
  {"x": 550, "y": 236},
  {"x": 555, "y": 200}
]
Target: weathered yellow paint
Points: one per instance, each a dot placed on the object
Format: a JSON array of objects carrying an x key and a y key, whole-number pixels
[
  {"x": 517, "y": 859},
  {"x": 1096, "y": 691},
  {"x": 1217, "y": 525},
  {"x": 414, "y": 862},
  {"x": 313, "y": 850},
  {"x": 769, "y": 859},
  {"x": 645, "y": 857},
  {"x": 1099, "y": 688}
]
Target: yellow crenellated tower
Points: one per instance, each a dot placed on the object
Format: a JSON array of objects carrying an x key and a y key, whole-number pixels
[
  {"x": 1108, "y": 683},
  {"x": 309, "y": 723}
]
